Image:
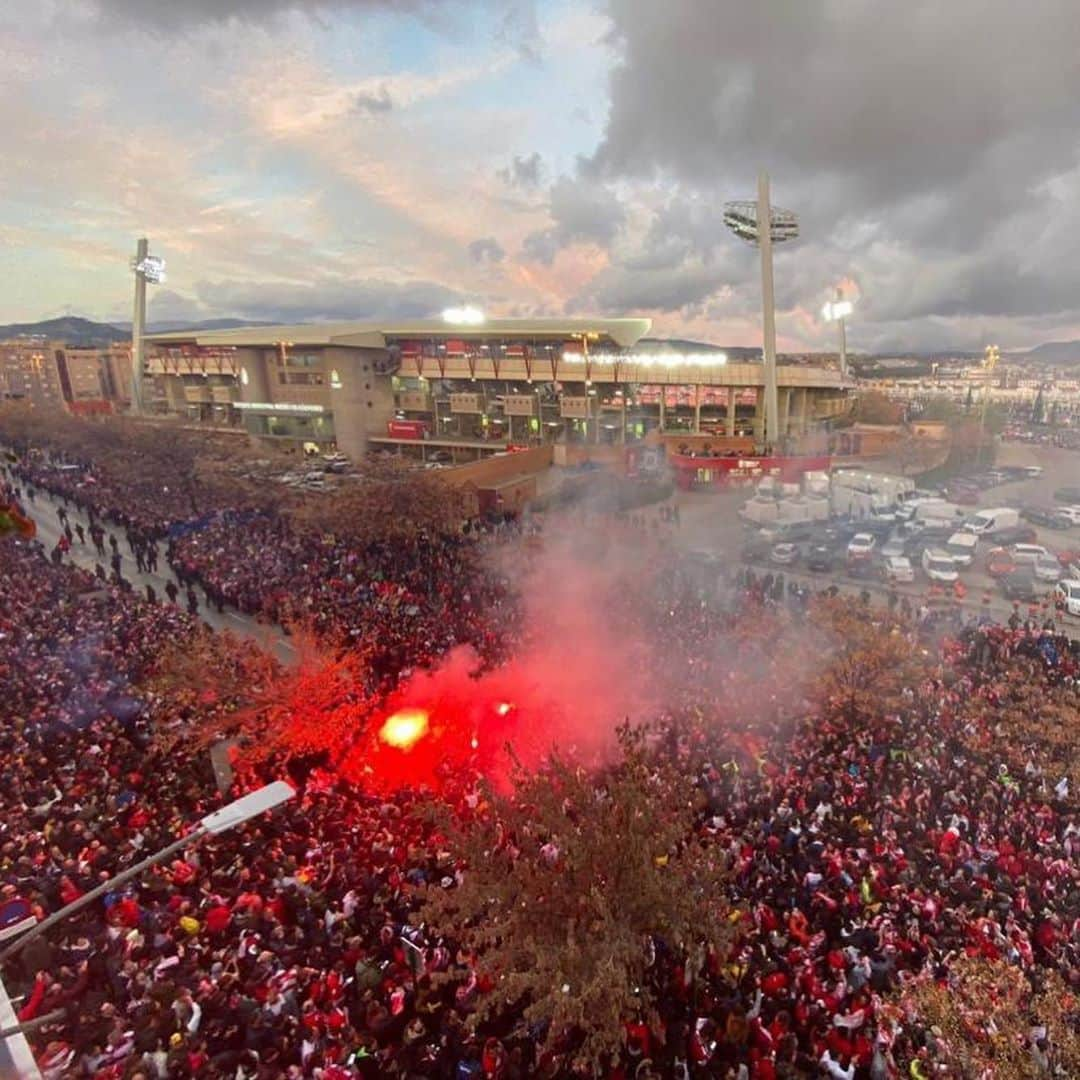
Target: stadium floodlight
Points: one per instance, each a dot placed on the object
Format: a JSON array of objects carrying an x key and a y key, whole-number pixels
[
  {"x": 148, "y": 269},
  {"x": 744, "y": 219},
  {"x": 463, "y": 316},
  {"x": 152, "y": 268},
  {"x": 837, "y": 311}
]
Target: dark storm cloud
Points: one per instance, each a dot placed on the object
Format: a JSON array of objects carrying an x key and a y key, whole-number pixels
[
  {"x": 332, "y": 299},
  {"x": 582, "y": 212},
  {"x": 915, "y": 141},
  {"x": 523, "y": 172},
  {"x": 486, "y": 250}
]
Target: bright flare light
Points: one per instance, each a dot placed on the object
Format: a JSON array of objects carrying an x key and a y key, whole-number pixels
[
  {"x": 837, "y": 309},
  {"x": 463, "y": 316},
  {"x": 504, "y": 708},
  {"x": 404, "y": 728}
]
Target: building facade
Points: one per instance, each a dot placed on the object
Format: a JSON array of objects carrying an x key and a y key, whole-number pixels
[
  {"x": 51, "y": 374},
  {"x": 460, "y": 391}
]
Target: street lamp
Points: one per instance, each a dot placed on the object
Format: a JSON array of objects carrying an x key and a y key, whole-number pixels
[
  {"x": 744, "y": 220},
  {"x": 837, "y": 310},
  {"x": 228, "y": 817}
]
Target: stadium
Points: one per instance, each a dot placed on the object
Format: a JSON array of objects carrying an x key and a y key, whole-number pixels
[{"x": 462, "y": 387}]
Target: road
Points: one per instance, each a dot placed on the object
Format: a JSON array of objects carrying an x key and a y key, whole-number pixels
[{"x": 44, "y": 512}]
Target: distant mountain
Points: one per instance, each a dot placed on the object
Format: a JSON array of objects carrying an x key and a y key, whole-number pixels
[
  {"x": 73, "y": 330},
  {"x": 69, "y": 329},
  {"x": 1055, "y": 352}
]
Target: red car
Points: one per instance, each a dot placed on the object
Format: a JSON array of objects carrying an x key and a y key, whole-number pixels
[{"x": 999, "y": 562}]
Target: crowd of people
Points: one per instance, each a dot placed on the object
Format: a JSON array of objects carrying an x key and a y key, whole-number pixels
[{"x": 866, "y": 849}]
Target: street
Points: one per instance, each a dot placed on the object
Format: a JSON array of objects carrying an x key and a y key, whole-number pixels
[{"x": 49, "y": 530}]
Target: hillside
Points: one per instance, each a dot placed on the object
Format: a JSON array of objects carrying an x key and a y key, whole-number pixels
[
  {"x": 1056, "y": 352},
  {"x": 69, "y": 329}
]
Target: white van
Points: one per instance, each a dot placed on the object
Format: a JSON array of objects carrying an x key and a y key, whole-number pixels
[
  {"x": 988, "y": 522},
  {"x": 938, "y": 565},
  {"x": 1067, "y": 596},
  {"x": 961, "y": 546}
]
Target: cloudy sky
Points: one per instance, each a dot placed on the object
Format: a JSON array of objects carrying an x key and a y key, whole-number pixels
[{"x": 350, "y": 158}]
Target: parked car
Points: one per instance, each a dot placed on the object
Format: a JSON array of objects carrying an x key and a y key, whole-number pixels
[
  {"x": 1017, "y": 534},
  {"x": 821, "y": 558},
  {"x": 993, "y": 521},
  {"x": 894, "y": 546},
  {"x": 1049, "y": 517},
  {"x": 1047, "y": 568},
  {"x": 938, "y": 565},
  {"x": 1069, "y": 495},
  {"x": 785, "y": 554},
  {"x": 861, "y": 546},
  {"x": 1072, "y": 513},
  {"x": 999, "y": 562},
  {"x": 1067, "y": 596},
  {"x": 962, "y": 547},
  {"x": 1027, "y": 554},
  {"x": 897, "y": 568},
  {"x": 1020, "y": 586}
]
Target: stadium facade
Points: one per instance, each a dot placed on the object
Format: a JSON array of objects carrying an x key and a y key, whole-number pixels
[{"x": 463, "y": 389}]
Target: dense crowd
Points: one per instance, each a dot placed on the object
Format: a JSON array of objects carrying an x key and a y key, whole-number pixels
[{"x": 865, "y": 849}]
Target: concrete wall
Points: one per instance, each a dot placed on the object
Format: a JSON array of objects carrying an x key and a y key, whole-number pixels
[
  {"x": 363, "y": 403},
  {"x": 493, "y": 470}
]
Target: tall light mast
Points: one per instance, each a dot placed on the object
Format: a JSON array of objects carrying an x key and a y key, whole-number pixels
[
  {"x": 744, "y": 219},
  {"x": 147, "y": 268}
]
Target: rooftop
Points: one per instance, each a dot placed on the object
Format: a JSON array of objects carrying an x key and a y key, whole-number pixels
[{"x": 374, "y": 335}]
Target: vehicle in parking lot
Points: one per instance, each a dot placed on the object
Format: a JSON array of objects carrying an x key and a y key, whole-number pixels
[
  {"x": 999, "y": 562},
  {"x": 1021, "y": 587},
  {"x": 1016, "y": 534},
  {"x": 783, "y": 554},
  {"x": 1026, "y": 554},
  {"x": 991, "y": 522},
  {"x": 1047, "y": 568},
  {"x": 787, "y": 532},
  {"x": 1067, "y": 596},
  {"x": 1069, "y": 495},
  {"x": 938, "y": 566},
  {"x": 961, "y": 546},
  {"x": 895, "y": 545},
  {"x": 1072, "y": 513},
  {"x": 1050, "y": 517},
  {"x": 861, "y": 546},
  {"x": 897, "y": 568},
  {"x": 820, "y": 558}
]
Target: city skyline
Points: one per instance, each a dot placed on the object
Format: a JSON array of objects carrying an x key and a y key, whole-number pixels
[{"x": 366, "y": 159}]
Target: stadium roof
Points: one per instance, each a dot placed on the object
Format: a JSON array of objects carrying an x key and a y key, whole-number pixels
[{"x": 373, "y": 335}]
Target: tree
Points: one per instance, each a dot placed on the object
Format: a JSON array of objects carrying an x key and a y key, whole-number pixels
[
  {"x": 571, "y": 882},
  {"x": 866, "y": 661},
  {"x": 873, "y": 407},
  {"x": 1038, "y": 408},
  {"x": 986, "y": 1011},
  {"x": 386, "y": 501}
]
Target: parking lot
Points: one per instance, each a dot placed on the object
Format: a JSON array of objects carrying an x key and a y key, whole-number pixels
[{"x": 710, "y": 523}]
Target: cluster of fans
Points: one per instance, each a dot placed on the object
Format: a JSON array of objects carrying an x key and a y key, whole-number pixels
[{"x": 866, "y": 851}]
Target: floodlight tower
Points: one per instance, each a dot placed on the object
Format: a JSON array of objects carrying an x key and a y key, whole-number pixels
[
  {"x": 744, "y": 219},
  {"x": 147, "y": 268},
  {"x": 837, "y": 311}
]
